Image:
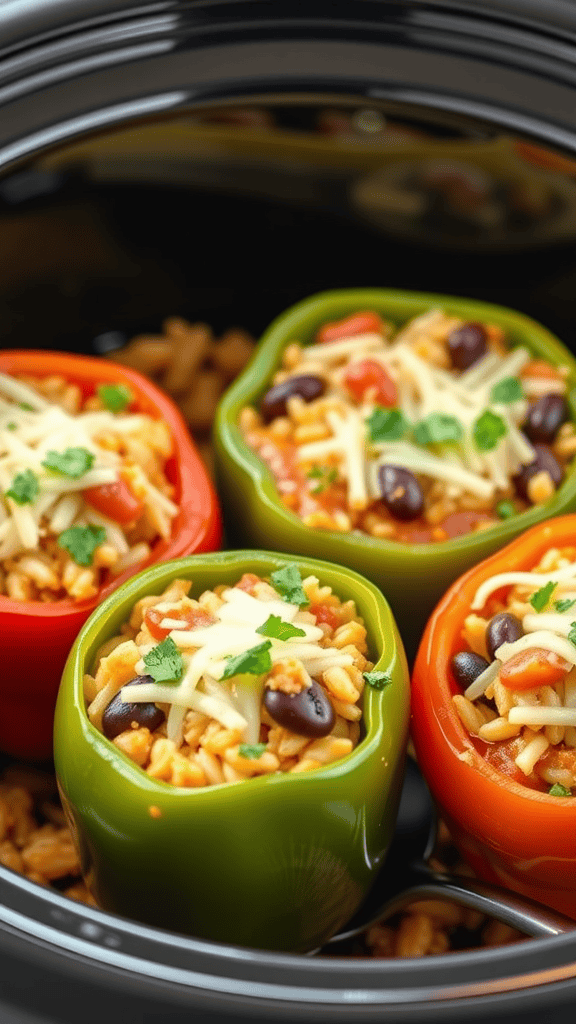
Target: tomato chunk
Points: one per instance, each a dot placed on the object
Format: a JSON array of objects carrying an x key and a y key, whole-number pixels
[
  {"x": 538, "y": 368},
  {"x": 368, "y": 374},
  {"x": 325, "y": 613},
  {"x": 533, "y": 668},
  {"x": 248, "y": 582},
  {"x": 116, "y": 501},
  {"x": 191, "y": 618},
  {"x": 359, "y": 323}
]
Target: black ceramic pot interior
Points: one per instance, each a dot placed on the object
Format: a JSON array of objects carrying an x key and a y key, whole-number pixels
[{"x": 458, "y": 184}]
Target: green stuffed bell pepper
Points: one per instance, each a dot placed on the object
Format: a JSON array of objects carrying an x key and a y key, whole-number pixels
[
  {"x": 279, "y": 849},
  {"x": 405, "y": 435}
]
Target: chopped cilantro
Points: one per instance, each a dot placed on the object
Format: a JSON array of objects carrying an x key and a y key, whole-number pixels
[
  {"x": 558, "y": 790},
  {"x": 436, "y": 428},
  {"x": 81, "y": 542},
  {"x": 540, "y": 599},
  {"x": 11, "y": 426},
  {"x": 254, "y": 662},
  {"x": 115, "y": 397},
  {"x": 565, "y": 604},
  {"x": 487, "y": 431},
  {"x": 164, "y": 662},
  {"x": 325, "y": 475},
  {"x": 377, "y": 680},
  {"x": 507, "y": 390},
  {"x": 253, "y": 751},
  {"x": 73, "y": 462},
  {"x": 24, "y": 488},
  {"x": 572, "y": 633},
  {"x": 386, "y": 425},
  {"x": 26, "y": 406},
  {"x": 505, "y": 509},
  {"x": 278, "y": 629},
  {"x": 288, "y": 583}
]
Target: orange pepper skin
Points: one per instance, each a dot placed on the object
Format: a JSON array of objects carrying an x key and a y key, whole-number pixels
[
  {"x": 511, "y": 834},
  {"x": 533, "y": 668},
  {"x": 36, "y": 638}
]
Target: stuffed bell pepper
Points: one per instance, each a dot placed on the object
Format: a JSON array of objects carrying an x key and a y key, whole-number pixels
[
  {"x": 405, "y": 435},
  {"x": 494, "y": 714},
  {"x": 229, "y": 740},
  {"x": 98, "y": 478}
]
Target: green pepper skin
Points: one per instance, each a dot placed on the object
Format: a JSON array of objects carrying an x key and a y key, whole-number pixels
[
  {"x": 277, "y": 862},
  {"x": 412, "y": 576}
]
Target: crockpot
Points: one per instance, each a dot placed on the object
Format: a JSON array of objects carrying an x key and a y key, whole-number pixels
[{"x": 106, "y": 228}]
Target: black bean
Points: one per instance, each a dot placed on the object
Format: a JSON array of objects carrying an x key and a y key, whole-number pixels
[
  {"x": 119, "y": 715},
  {"x": 504, "y": 628},
  {"x": 544, "y": 462},
  {"x": 306, "y": 386},
  {"x": 308, "y": 713},
  {"x": 401, "y": 492},
  {"x": 467, "y": 344},
  {"x": 466, "y": 667},
  {"x": 545, "y": 417}
]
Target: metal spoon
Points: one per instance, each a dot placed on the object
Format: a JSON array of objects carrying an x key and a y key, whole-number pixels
[{"x": 407, "y": 877}]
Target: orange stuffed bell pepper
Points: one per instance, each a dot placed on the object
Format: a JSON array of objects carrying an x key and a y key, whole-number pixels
[
  {"x": 98, "y": 479},
  {"x": 494, "y": 714}
]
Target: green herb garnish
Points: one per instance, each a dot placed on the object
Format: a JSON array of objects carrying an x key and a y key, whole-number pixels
[
  {"x": 437, "y": 428},
  {"x": 325, "y": 476},
  {"x": 24, "y": 488},
  {"x": 386, "y": 425},
  {"x": 505, "y": 509},
  {"x": 558, "y": 790},
  {"x": 26, "y": 406},
  {"x": 278, "y": 629},
  {"x": 572, "y": 633},
  {"x": 11, "y": 426},
  {"x": 73, "y": 462},
  {"x": 253, "y": 751},
  {"x": 507, "y": 390},
  {"x": 540, "y": 599},
  {"x": 288, "y": 583},
  {"x": 487, "y": 431},
  {"x": 255, "y": 662},
  {"x": 564, "y": 604},
  {"x": 81, "y": 542},
  {"x": 115, "y": 397},
  {"x": 377, "y": 680},
  {"x": 164, "y": 662}
]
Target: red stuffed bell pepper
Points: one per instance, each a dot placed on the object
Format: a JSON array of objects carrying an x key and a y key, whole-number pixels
[
  {"x": 494, "y": 714},
  {"x": 36, "y": 634}
]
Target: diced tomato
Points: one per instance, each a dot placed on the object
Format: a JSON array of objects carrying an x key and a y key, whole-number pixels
[
  {"x": 533, "y": 668},
  {"x": 369, "y": 375},
  {"x": 358, "y": 323},
  {"x": 248, "y": 582},
  {"x": 538, "y": 368},
  {"x": 115, "y": 501},
  {"x": 325, "y": 613},
  {"x": 191, "y": 618}
]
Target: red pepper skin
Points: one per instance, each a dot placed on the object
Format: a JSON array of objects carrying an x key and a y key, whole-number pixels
[
  {"x": 36, "y": 637},
  {"x": 510, "y": 834}
]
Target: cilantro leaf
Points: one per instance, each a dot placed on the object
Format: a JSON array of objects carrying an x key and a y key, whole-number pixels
[
  {"x": 558, "y": 790},
  {"x": 572, "y": 633},
  {"x": 505, "y": 509},
  {"x": 487, "y": 431},
  {"x": 377, "y": 680},
  {"x": 278, "y": 629},
  {"x": 26, "y": 406},
  {"x": 81, "y": 542},
  {"x": 11, "y": 426},
  {"x": 325, "y": 475},
  {"x": 507, "y": 390},
  {"x": 254, "y": 750},
  {"x": 164, "y": 662},
  {"x": 24, "y": 488},
  {"x": 436, "y": 428},
  {"x": 73, "y": 462},
  {"x": 564, "y": 604},
  {"x": 288, "y": 583},
  {"x": 386, "y": 425},
  {"x": 115, "y": 397},
  {"x": 540, "y": 599},
  {"x": 254, "y": 662}
]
